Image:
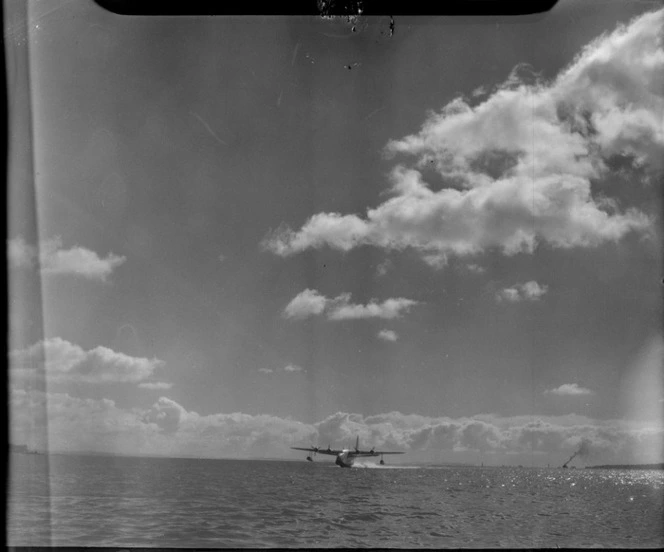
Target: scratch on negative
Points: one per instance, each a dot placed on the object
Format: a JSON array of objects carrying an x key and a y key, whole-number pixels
[
  {"x": 374, "y": 112},
  {"x": 297, "y": 47},
  {"x": 208, "y": 128}
]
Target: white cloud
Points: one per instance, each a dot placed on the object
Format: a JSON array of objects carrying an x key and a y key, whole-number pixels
[
  {"x": 388, "y": 335},
  {"x": 435, "y": 260},
  {"x": 517, "y": 168},
  {"x": 63, "y": 361},
  {"x": 530, "y": 291},
  {"x": 337, "y": 231},
  {"x": 569, "y": 389},
  {"x": 311, "y": 302},
  {"x": 157, "y": 385},
  {"x": 69, "y": 423},
  {"x": 508, "y": 294},
  {"x": 292, "y": 368},
  {"x": 383, "y": 268},
  {"x": 475, "y": 268},
  {"x": 167, "y": 415},
  {"x": 479, "y": 91},
  {"x": 52, "y": 258},
  {"x": 499, "y": 437},
  {"x": 289, "y": 368},
  {"x": 305, "y": 304},
  {"x": 388, "y": 309},
  {"x": 167, "y": 427}
]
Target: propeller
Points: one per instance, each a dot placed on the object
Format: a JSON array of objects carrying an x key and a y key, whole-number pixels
[{"x": 314, "y": 450}]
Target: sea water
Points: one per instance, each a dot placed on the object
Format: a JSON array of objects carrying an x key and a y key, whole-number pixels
[{"x": 64, "y": 500}]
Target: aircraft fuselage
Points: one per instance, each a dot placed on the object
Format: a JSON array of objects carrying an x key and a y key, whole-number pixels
[{"x": 345, "y": 459}]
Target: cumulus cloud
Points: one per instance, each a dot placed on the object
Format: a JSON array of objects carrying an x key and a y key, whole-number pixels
[
  {"x": 501, "y": 437},
  {"x": 164, "y": 428},
  {"x": 157, "y": 385},
  {"x": 167, "y": 427},
  {"x": 61, "y": 422},
  {"x": 530, "y": 291},
  {"x": 305, "y": 303},
  {"x": 388, "y": 335},
  {"x": 388, "y": 309},
  {"x": 52, "y": 258},
  {"x": 383, "y": 268},
  {"x": 63, "y": 361},
  {"x": 167, "y": 414},
  {"x": 517, "y": 168},
  {"x": 310, "y": 302},
  {"x": 569, "y": 389},
  {"x": 292, "y": 368},
  {"x": 475, "y": 268}
]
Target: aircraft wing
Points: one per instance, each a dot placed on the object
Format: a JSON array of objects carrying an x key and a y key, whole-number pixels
[
  {"x": 332, "y": 452},
  {"x": 367, "y": 453}
]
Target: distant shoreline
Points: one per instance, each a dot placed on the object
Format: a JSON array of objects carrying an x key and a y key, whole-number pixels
[
  {"x": 23, "y": 449},
  {"x": 627, "y": 467}
]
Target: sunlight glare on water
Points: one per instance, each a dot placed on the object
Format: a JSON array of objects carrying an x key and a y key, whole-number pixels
[{"x": 111, "y": 501}]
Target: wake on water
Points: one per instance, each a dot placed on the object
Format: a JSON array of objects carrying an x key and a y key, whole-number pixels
[{"x": 371, "y": 465}]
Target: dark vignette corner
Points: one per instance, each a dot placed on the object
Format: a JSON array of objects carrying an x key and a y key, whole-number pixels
[{"x": 329, "y": 7}]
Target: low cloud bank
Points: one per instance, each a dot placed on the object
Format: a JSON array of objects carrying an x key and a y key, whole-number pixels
[
  {"x": 168, "y": 428},
  {"x": 61, "y": 361}
]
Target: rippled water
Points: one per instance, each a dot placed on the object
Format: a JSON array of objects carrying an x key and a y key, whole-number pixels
[{"x": 111, "y": 501}]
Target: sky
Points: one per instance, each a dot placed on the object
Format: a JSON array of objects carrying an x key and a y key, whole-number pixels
[{"x": 232, "y": 235}]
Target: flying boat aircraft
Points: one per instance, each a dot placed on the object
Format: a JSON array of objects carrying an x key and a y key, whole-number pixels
[{"x": 346, "y": 457}]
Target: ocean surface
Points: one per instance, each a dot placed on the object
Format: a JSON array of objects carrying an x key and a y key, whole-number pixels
[{"x": 63, "y": 500}]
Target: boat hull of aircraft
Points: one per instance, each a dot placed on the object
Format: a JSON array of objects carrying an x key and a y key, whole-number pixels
[{"x": 344, "y": 461}]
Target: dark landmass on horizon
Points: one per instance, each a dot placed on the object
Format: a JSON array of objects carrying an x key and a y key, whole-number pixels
[{"x": 627, "y": 467}]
